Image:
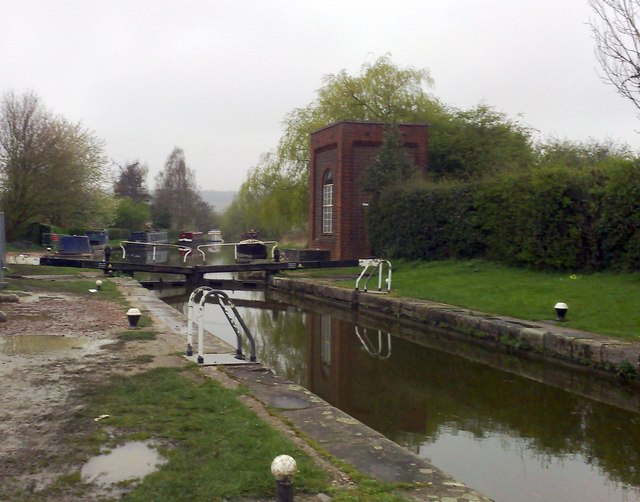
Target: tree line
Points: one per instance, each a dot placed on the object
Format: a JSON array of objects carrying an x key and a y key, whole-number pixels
[
  {"x": 464, "y": 144},
  {"x": 56, "y": 172},
  {"x": 466, "y": 147},
  {"x": 38, "y": 149}
]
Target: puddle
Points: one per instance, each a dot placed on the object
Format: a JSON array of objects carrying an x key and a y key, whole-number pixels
[
  {"x": 13, "y": 345},
  {"x": 129, "y": 461}
]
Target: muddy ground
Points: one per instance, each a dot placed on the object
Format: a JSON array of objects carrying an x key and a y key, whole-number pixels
[{"x": 44, "y": 383}]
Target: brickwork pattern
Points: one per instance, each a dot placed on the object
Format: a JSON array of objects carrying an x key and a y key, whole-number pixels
[{"x": 347, "y": 149}]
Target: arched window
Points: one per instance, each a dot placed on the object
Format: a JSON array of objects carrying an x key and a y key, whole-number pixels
[{"x": 327, "y": 203}]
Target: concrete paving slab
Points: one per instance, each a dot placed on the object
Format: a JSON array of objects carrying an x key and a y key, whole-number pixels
[{"x": 347, "y": 438}]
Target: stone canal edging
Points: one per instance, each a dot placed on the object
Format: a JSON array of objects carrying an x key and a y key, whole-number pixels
[
  {"x": 337, "y": 433},
  {"x": 544, "y": 338}
]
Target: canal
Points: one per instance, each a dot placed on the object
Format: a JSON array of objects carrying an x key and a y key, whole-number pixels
[{"x": 515, "y": 429}]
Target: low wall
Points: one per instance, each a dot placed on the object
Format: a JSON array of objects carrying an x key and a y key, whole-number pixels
[{"x": 549, "y": 340}]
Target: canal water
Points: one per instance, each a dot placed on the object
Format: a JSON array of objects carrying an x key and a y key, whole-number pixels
[{"x": 512, "y": 428}]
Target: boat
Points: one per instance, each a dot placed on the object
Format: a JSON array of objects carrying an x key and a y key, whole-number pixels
[
  {"x": 98, "y": 239},
  {"x": 189, "y": 241},
  {"x": 74, "y": 245},
  {"x": 251, "y": 247},
  {"x": 147, "y": 247},
  {"x": 214, "y": 237},
  {"x": 214, "y": 241},
  {"x": 156, "y": 236}
]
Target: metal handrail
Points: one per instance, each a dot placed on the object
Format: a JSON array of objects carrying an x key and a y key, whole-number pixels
[
  {"x": 377, "y": 264},
  {"x": 225, "y": 303},
  {"x": 154, "y": 245},
  {"x": 211, "y": 244},
  {"x": 219, "y": 244},
  {"x": 368, "y": 346},
  {"x": 192, "y": 297}
]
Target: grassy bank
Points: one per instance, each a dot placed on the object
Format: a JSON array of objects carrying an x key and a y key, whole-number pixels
[
  {"x": 605, "y": 303},
  {"x": 216, "y": 447}
]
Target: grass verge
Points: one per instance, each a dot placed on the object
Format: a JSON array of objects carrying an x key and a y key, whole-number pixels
[
  {"x": 604, "y": 302},
  {"x": 215, "y": 446}
]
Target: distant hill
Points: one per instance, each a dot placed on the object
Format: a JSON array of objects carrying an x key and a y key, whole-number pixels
[{"x": 220, "y": 200}]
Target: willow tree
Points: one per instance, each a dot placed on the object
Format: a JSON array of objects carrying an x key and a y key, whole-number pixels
[
  {"x": 277, "y": 188},
  {"x": 269, "y": 200},
  {"x": 383, "y": 92}
]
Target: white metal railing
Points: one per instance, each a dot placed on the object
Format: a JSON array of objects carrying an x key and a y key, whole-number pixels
[
  {"x": 381, "y": 352},
  {"x": 220, "y": 244},
  {"x": 228, "y": 308},
  {"x": 154, "y": 246},
  {"x": 371, "y": 265}
]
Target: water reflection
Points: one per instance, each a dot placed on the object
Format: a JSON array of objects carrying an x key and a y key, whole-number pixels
[
  {"x": 511, "y": 437},
  {"x": 126, "y": 462},
  {"x": 36, "y": 344}
]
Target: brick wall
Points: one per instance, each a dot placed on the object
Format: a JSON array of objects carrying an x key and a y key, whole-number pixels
[{"x": 347, "y": 149}]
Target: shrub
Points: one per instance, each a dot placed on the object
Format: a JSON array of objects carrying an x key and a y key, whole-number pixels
[{"x": 552, "y": 217}]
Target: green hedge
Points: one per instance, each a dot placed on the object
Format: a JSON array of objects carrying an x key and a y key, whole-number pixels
[
  {"x": 548, "y": 218},
  {"x": 619, "y": 221},
  {"x": 433, "y": 222}
]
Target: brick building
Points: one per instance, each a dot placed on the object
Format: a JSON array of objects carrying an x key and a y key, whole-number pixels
[{"x": 340, "y": 154}]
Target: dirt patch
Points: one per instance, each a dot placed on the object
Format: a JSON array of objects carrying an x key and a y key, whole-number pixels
[
  {"x": 43, "y": 392},
  {"x": 43, "y": 386}
]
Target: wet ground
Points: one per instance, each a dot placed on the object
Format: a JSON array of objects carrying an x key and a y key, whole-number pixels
[
  {"x": 55, "y": 347},
  {"x": 51, "y": 348}
]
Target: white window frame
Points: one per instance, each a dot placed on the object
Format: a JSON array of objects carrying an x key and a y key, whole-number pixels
[{"x": 327, "y": 205}]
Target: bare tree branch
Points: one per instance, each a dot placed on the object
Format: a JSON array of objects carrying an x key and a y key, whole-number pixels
[{"x": 617, "y": 35}]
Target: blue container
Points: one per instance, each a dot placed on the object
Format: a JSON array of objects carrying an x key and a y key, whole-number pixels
[{"x": 74, "y": 245}]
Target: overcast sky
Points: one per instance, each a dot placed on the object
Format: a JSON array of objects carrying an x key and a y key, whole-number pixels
[{"x": 216, "y": 78}]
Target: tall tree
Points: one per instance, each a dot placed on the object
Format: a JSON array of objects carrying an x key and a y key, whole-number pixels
[
  {"x": 51, "y": 170},
  {"x": 277, "y": 188},
  {"x": 132, "y": 182},
  {"x": 468, "y": 144},
  {"x": 616, "y": 30},
  {"x": 383, "y": 92},
  {"x": 23, "y": 129},
  {"x": 391, "y": 164},
  {"x": 176, "y": 201}
]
